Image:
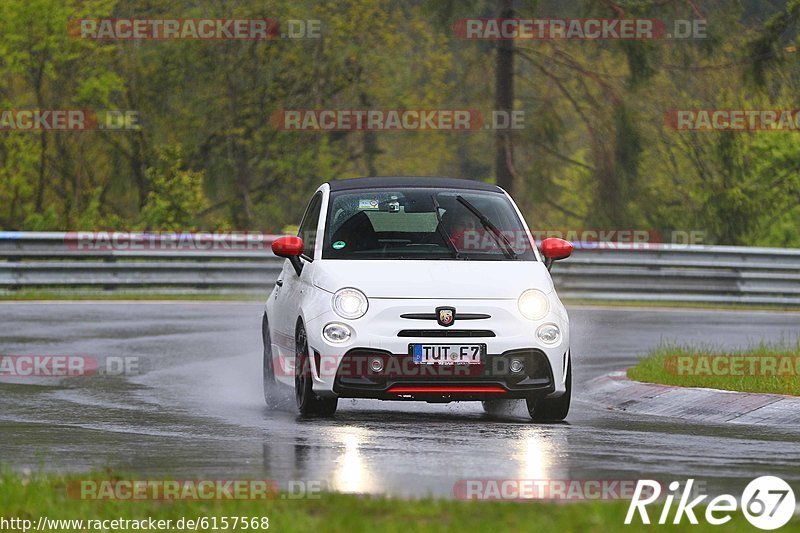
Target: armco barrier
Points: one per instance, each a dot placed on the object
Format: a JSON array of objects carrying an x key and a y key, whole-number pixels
[{"x": 670, "y": 273}]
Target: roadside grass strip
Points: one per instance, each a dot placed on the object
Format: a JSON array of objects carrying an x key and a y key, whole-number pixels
[
  {"x": 46, "y": 498},
  {"x": 760, "y": 368}
]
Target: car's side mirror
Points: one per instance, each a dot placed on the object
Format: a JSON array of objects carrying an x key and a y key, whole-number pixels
[
  {"x": 289, "y": 247},
  {"x": 554, "y": 249}
]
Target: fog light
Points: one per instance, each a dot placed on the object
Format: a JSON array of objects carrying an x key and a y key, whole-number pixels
[
  {"x": 549, "y": 334},
  {"x": 336, "y": 333},
  {"x": 376, "y": 364},
  {"x": 516, "y": 366}
]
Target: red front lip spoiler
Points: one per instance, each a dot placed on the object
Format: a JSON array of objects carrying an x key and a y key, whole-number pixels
[{"x": 488, "y": 389}]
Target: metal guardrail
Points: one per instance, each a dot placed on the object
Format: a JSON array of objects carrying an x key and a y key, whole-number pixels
[
  {"x": 127, "y": 261},
  {"x": 669, "y": 273}
]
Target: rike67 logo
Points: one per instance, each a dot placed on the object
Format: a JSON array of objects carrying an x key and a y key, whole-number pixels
[{"x": 767, "y": 502}]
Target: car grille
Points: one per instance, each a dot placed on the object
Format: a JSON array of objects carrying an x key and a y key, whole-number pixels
[
  {"x": 433, "y": 316},
  {"x": 465, "y": 333}
]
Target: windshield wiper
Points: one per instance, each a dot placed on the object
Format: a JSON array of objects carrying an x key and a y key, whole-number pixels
[
  {"x": 501, "y": 239},
  {"x": 442, "y": 231}
]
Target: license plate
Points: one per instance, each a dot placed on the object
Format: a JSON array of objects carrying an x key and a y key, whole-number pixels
[{"x": 447, "y": 354}]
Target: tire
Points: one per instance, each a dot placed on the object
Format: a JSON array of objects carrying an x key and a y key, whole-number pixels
[
  {"x": 276, "y": 394},
  {"x": 552, "y": 409},
  {"x": 271, "y": 393},
  {"x": 498, "y": 407},
  {"x": 308, "y": 403}
]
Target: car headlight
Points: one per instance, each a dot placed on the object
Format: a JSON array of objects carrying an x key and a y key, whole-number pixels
[
  {"x": 533, "y": 304},
  {"x": 350, "y": 303},
  {"x": 336, "y": 333},
  {"x": 548, "y": 334}
]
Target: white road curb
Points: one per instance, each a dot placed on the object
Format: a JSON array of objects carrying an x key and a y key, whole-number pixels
[{"x": 616, "y": 391}]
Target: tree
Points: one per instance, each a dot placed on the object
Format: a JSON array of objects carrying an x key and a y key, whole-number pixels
[{"x": 176, "y": 196}]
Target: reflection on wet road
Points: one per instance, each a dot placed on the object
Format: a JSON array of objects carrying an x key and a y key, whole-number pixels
[{"x": 197, "y": 409}]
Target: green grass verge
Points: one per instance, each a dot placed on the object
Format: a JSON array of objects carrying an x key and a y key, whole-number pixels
[
  {"x": 765, "y": 368},
  {"x": 47, "y": 496}
]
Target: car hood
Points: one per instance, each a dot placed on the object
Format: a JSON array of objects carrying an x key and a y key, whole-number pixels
[{"x": 433, "y": 279}]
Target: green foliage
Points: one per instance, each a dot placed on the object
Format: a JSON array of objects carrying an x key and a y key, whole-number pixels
[
  {"x": 594, "y": 151},
  {"x": 766, "y": 51},
  {"x": 176, "y": 196},
  {"x": 46, "y": 220}
]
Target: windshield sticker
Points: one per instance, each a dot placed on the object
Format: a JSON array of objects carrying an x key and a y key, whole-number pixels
[
  {"x": 368, "y": 204},
  {"x": 338, "y": 245}
]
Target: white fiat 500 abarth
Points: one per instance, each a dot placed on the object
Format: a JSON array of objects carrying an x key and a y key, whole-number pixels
[{"x": 427, "y": 289}]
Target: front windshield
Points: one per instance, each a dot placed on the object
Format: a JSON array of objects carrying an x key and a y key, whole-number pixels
[{"x": 422, "y": 223}]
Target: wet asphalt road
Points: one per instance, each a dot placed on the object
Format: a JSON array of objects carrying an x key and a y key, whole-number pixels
[{"x": 197, "y": 409}]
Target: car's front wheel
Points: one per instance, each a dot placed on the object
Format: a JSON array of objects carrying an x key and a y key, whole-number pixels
[
  {"x": 552, "y": 409},
  {"x": 271, "y": 393},
  {"x": 308, "y": 403}
]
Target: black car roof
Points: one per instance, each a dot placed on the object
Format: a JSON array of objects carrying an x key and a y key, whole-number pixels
[{"x": 395, "y": 181}]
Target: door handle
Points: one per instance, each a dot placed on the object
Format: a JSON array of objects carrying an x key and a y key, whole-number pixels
[{"x": 279, "y": 283}]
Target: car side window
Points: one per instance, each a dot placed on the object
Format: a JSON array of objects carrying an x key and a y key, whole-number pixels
[{"x": 308, "y": 227}]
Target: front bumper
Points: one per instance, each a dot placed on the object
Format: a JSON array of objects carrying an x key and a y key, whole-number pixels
[
  {"x": 400, "y": 378},
  {"x": 382, "y": 332}
]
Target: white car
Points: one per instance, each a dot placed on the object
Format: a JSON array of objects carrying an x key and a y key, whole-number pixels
[{"x": 426, "y": 289}]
